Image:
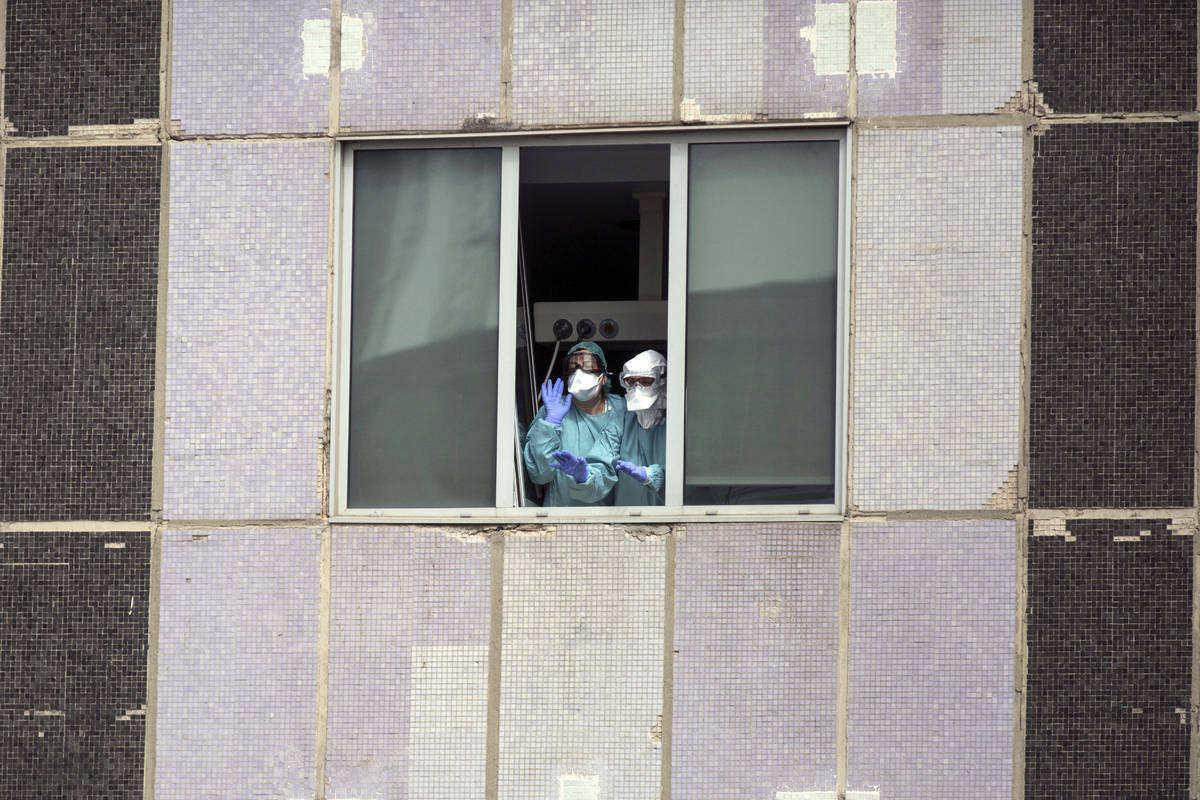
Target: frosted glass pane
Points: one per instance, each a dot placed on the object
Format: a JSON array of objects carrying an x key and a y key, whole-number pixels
[
  {"x": 761, "y": 323},
  {"x": 423, "y": 340}
]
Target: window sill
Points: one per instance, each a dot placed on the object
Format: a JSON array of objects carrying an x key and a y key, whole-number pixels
[{"x": 585, "y": 516}]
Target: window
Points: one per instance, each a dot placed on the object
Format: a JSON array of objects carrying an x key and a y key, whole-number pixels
[{"x": 469, "y": 266}]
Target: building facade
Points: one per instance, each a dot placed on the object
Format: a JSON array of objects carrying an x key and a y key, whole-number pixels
[{"x": 999, "y": 603}]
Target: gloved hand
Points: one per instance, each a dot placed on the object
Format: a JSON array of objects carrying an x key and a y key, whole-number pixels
[
  {"x": 639, "y": 474},
  {"x": 571, "y": 464},
  {"x": 557, "y": 404}
]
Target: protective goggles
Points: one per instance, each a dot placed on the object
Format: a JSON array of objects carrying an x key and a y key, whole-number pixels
[
  {"x": 587, "y": 362},
  {"x": 645, "y": 381}
]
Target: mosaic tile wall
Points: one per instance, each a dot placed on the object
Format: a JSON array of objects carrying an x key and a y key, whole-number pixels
[
  {"x": 756, "y": 638},
  {"x": 408, "y": 664},
  {"x": 1109, "y": 682},
  {"x": 1116, "y": 56},
  {"x": 582, "y": 676},
  {"x": 77, "y": 321},
  {"x": 73, "y": 636},
  {"x": 97, "y": 64},
  {"x": 428, "y": 65},
  {"x": 244, "y": 423},
  {"x": 239, "y": 66},
  {"x": 932, "y": 625},
  {"x": 237, "y": 664},
  {"x": 937, "y": 56},
  {"x": 778, "y": 58},
  {"x": 592, "y": 61},
  {"x": 1113, "y": 320},
  {"x": 938, "y": 329},
  {"x": 937, "y": 318}
]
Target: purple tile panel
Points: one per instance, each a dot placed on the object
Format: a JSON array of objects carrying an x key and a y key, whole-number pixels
[
  {"x": 582, "y": 677},
  {"x": 932, "y": 621},
  {"x": 408, "y": 665},
  {"x": 428, "y": 65},
  {"x": 753, "y": 58},
  {"x": 952, "y": 56},
  {"x": 916, "y": 87},
  {"x": 592, "y": 61},
  {"x": 237, "y": 66},
  {"x": 246, "y": 329},
  {"x": 756, "y": 640},
  {"x": 237, "y": 664},
  {"x": 791, "y": 86}
]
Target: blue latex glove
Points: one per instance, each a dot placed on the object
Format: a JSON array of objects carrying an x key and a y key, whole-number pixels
[
  {"x": 639, "y": 474},
  {"x": 557, "y": 404},
  {"x": 570, "y": 463}
]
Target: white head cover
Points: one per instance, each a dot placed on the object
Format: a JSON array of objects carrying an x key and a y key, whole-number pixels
[{"x": 648, "y": 402}]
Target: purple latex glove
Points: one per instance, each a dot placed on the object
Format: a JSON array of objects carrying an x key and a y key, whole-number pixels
[
  {"x": 639, "y": 474},
  {"x": 557, "y": 404},
  {"x": 571, "y": 464}
]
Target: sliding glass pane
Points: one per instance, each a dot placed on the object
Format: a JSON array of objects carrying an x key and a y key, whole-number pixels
[
  {"x": 423, "y": 341},
  {"x": 761, "y": 323}
]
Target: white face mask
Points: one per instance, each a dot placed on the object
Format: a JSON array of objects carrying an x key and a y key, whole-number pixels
[
  {"x": 640, "y": 398},
  {"x": 583, "y": 385}
]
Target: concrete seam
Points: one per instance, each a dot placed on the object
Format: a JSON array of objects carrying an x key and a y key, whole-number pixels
[
  {"x": 324, "y": 607},
  {"x": 1110, "y": 513},
  {"x": 1140, "y": 117},
  {"x": 842, "y": 724},
  {"x": 1020, "y": 658},
  {"x": 852, "y": 299},
  {"x": 335, "y": 66},
  {"x": 245, "y": 524},
  {"x": 495, "y": 640},
  {"x": 506, "y": 62},
  {"x": 1020, "y": 630},
  {"x": 1003, "y": 118},
  {"x": 158, "y": 476},
  {"x": 1026, "y": 329},
  {"x": 668, "y": 677},
  {"x": 678, "y": 41},
  {"x": 139, "y": 139},
  {"x": 77, "y": 526},
  {"x": 149, "y": 746},
  {"x": 1027, "y": 33},
  {"x": 248, "y": 137},
  {"x": 324, "y": 450},
  {"x": 852, "y": 61},
  {"x": 84, "y": 525},
  {"x": 164, "y": 67}
]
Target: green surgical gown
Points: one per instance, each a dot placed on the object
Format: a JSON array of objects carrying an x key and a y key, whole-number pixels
[
  {"x": 646, "y": 447},
  {"x": 595, "y": 437}
]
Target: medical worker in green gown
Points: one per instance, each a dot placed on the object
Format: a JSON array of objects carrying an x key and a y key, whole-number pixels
[
  {"x": 573, "y": 442},
  {"x": 644, "y": 433}
]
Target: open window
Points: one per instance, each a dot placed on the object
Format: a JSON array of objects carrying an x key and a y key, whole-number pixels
[{"x": 468, "y": 268}]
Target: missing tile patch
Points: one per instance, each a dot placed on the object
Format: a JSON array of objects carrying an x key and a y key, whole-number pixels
[
  {"x": 1005, "y": 496},
  {"x": 578, "y": 787},
  {"x": 875, "y": 38},
  {"x": 317, "y": 50},
  {"x": 689, "y": 111},
  {"x": 770, "y": 609},
  {"x": 829, "y": 39}
]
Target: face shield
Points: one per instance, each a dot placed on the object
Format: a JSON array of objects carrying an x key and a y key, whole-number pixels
[{"x": 644, "y": 378}]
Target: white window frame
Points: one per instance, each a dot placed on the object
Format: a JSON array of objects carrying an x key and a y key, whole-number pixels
[{"x": 505, "y": 511}]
